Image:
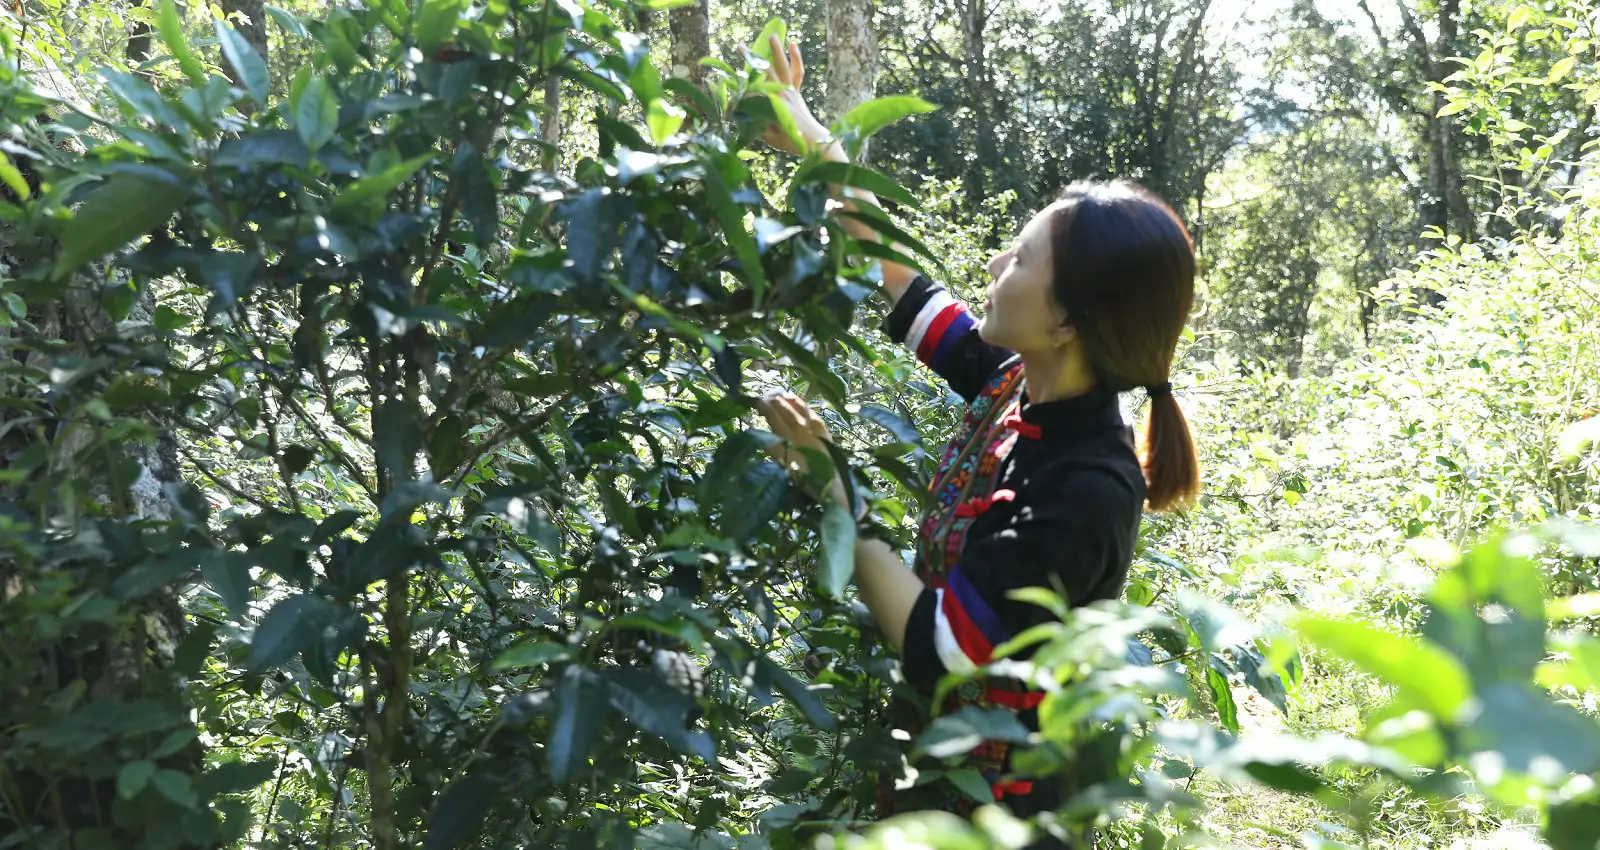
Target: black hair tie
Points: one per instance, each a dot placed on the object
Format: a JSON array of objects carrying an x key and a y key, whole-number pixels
[{"x": 1159, "y": 390}]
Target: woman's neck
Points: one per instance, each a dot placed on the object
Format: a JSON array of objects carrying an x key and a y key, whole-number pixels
[{"x": 1055, "y": 375}]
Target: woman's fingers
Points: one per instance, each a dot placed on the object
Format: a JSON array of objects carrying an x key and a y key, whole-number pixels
[
  {"x": 787, "y": 66},
  {"x": 807, "y": 417},
  {"x": 792, "y": 419},
  {"x": 780, "y": 59},
  {"x": 800, "y": 413},
  {"x": 797, "y": 65},
  {"x": 770, "y": 72},
  {"x": 781, "y": 415}
]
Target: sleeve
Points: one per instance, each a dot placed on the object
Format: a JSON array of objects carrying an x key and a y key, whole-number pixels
[
  {"x": 943, "y": 334},
  {"x": 1068, "y": 534}
]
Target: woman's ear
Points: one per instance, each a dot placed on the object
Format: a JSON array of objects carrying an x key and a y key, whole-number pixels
[{"x": 1064, "y": 334}]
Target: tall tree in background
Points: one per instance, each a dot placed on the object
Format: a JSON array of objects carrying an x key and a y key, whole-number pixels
[
  {"x": 1333, "y": 144},
  {"x": 1443, "y": 200},
  {"x": 1034, "y": 98},
  {"x": 250, "y": 18},
  {"x": 981, "y": 102},
  {"x": 1304, "y": 225},
  {"x": 852, "y": 57},
  {"x": 124, "y": 664},
  {"x": 1165, "y": 133},
  {"x": 550, "y": 130},
  {"x": 691, "y": 40},
  {"x": 137, "y": 49}
]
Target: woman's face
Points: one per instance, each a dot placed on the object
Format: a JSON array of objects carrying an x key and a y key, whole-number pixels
[{"x": 1021, "y": 313}]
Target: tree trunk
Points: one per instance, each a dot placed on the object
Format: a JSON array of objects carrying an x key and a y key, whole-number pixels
[
  {"x": 138, "y": 47},
  {"x": 974, "y": 20},
  {"x": 1162, "y": 161},
  {"x": 251, "y": 22},
  {"x": 551, "y": 130},
  {"x": 1434, "y": 213},
  {"x": 1445, "y": 205},
  {"x": 691, "y": 40},
  {"x": 1455, "y": 198},
  {"x": 75, "y": 669},
  {"x": 1300, "y": 318},
  {"x": 852, "y": 58}
]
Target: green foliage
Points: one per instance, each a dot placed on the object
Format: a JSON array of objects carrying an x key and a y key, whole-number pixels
[
  {"x": 444, "y": 416},
  {"x": 479, "y": 544}
]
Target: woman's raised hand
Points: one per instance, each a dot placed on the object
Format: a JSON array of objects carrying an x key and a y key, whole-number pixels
[
  {"x": 797, "y": 424},
  {"x": 788, "y": 70}
]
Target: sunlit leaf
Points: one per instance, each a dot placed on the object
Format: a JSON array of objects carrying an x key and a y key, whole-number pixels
[
  {"x": 838, "y": 549},
  {"x": 366, "y": 190},
  {"x": 436, "y": 23},
  {"x": 125, "y": 207},
  {"x": 170, "y": 26},
  {"x": 774, "y": 28},
  {"x": 1424, "y": 675},
  {"x": 1561, "y": 69},
  {"x": 859, "y": 176},
  {"x": 580, "y": 713},
  {"x": 532, "y": 654},
  {"x": 664, "y": 119},
  {"x": 874, "y": 115},
  {"x": 1222, "y": 698},
  {"x": 245, "y": 61},
  {"x": 12, "y": 178}
]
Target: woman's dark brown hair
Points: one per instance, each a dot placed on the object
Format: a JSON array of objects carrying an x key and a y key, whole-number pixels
[{"x": 1124, "y": 271}]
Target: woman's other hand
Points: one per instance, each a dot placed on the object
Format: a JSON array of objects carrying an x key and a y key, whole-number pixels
[
  {"x": 788, "y": 70},
  {"x": 798, "y": 426}
]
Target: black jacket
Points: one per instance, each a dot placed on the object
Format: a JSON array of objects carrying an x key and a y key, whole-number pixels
[{"x": 1072, "y": 522}]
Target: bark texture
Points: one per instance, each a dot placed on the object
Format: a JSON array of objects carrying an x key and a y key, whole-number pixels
[
  {"x": 974, "y": 26},
  {"x": 551, "y": 129},
  {"x": 123, "y": 661},
  {"x": 251, "y": 22},
  {"x": 691, "y": 40},
  {"x": 852, "y": 57}
]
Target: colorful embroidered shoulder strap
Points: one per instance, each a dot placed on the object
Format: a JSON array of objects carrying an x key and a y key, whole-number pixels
[
  {"x": 970, "y": 465},
  {"x": 963, "y": 489}
]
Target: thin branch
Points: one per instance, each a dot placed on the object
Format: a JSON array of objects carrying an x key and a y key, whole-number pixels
[
  {"x": 235, "y": 492},
  {"x": 507, "y": 433}
]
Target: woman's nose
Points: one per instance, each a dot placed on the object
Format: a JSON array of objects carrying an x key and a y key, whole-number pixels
[{"x": 996, "y": 263}]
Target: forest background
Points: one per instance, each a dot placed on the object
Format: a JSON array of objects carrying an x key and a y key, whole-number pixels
[{"x": 380, "y": 468}]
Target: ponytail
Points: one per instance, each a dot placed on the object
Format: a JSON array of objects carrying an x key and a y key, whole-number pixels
[
  {"x": 1124, "y": 273},
  {"x": 1171, "y": 465}
]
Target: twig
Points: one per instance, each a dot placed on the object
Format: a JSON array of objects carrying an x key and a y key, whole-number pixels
[
  {"x": 235, "y": 492},
  {"x": 266, "y": 819},
  {"x": 333, "y": 816},
  {"x": 533, "y": 423}
]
